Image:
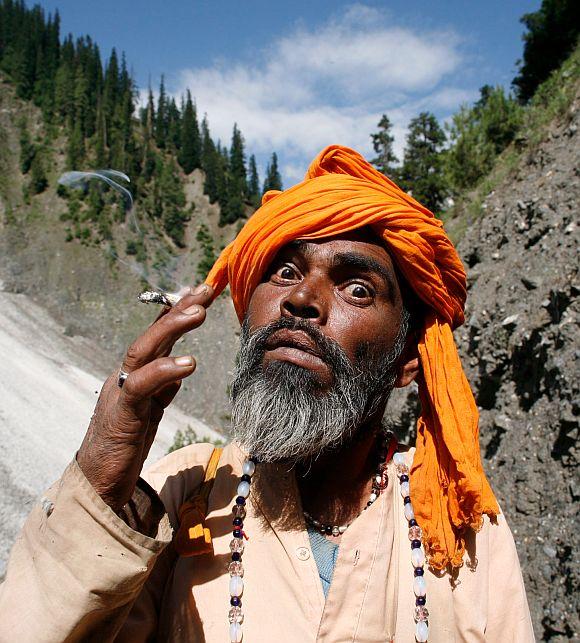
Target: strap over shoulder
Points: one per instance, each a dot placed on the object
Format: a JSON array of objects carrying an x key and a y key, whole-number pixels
[{"x": 193, "y": 537}]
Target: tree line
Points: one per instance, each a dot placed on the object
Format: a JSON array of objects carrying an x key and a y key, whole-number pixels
[
  {"x": 94, "y": 103},
  {"x": 445, "y": 161}
]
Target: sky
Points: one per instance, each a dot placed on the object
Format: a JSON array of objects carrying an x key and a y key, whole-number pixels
[{"x": 297, "y": 76}]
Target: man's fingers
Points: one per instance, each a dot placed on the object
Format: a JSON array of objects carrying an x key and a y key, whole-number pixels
[
  {"x": 148, "y": 380},
  {"x": 159, "y": 338}
]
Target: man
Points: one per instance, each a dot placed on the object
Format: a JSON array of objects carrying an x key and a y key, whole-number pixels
[{"x": 346, "y": 287}]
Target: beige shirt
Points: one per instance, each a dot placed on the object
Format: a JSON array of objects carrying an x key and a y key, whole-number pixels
[{"x": 79, "y": 573}]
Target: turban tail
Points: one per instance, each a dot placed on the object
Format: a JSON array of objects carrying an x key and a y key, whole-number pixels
[{"x": 343, "y": 192}]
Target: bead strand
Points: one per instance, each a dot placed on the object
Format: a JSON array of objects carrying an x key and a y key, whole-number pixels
[
  {"x": 378, "y": 483},
  {"x": 417, "y": 553},
  {"x": 235, "y": 568}
]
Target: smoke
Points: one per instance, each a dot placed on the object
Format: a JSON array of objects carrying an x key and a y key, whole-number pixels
[{"x": 80, "y": 180}]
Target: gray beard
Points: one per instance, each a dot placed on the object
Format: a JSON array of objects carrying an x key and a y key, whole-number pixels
[{"x": 280, "y": 411}]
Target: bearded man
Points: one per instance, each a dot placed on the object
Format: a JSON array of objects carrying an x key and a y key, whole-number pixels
[{"x": 346, "y": 287}]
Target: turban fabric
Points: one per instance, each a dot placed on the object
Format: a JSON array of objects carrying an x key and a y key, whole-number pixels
[{"x": 343, "y": 192}]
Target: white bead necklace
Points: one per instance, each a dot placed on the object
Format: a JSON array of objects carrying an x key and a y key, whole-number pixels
[{"x": 236, "y": 569}]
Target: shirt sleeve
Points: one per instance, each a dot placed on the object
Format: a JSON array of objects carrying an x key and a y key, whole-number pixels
[
  {"x": 508, "y": 618},
  {"x": 77, "y": 568}
]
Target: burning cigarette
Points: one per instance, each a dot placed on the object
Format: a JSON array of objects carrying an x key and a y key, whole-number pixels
[{"x": 158, "y": 297}]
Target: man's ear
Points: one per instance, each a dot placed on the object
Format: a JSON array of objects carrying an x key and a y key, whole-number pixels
[{"x": 409, "y": 366}]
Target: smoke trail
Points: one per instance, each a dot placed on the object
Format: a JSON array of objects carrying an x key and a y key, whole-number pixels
[
  {"x": 80, "y": 180},
  {"x": 77, "y": 180}
]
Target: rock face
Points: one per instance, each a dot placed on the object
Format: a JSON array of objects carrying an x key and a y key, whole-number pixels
[{"x": 520, "y": 350}]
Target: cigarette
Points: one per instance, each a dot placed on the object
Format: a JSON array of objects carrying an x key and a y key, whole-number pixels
[{"x": 158, "y": 297}]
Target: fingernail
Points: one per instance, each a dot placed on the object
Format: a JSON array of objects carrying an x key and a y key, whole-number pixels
[
  {"x": 192, "y": 310},
  {"x": 186, "y": 360},
  {"x": 200, "y": 290}
]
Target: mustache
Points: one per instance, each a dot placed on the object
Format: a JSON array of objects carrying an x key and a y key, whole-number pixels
[{"x": 329, "y": 350}]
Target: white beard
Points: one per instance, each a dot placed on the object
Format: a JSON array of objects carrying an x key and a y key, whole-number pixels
[{"x": 279, "y": 411}]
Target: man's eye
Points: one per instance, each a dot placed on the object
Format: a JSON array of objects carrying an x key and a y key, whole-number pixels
[
  {"x": 358, "y": 291},
  {"x": 285, "y": 272}
]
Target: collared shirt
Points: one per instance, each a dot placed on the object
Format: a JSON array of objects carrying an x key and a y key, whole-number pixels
[{"x": 81, "y": 573}]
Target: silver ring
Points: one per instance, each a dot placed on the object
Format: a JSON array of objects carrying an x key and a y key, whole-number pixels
[{"x": 121, "y": 378}]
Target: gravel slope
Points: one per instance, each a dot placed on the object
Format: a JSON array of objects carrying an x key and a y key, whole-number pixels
[{"x": 49, "y": 384}]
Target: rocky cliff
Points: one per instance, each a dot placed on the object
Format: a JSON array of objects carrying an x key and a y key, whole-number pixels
[{"x": 520, "y": 347}]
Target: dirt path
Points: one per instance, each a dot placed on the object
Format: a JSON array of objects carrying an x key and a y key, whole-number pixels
[{"x": 48, "y": 387}]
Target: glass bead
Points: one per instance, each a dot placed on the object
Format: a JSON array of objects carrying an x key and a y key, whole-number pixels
[
  {"x": 238, "y": 522},
  {"x": 415, "y": 533},
  {"x": 404, "y": 478},
  {"x": 421, "y": 613},
  {"x": 402, "y": 470},
  {"x": 239, "y": 511},
  {"x": 419, "y": 571},
  {"x": 373, "y": 497},
  {"x": 236, "y": 555},
  {"x": 237, "y": 545},
  {"x": 237, "y": 533},
  {"x": 235, "y": 601},
  {"x": 235, "y": 633},
  {"x": 419, "y": 586},
  {"x": 409, "y": 513},
  {"x": 246, "y": 478},
  {"x": 236, "y": 568},
  {"x": 415, "y": 544},
  {"x": 417, "y": 557},
  {"x": 404, "y": 489},
  {"x": 336, "y": 531},
  {"x": 240, "y": 500},
  {"x": 421, "y": 600},
  {"x": 422, "y": 632},
  {"x": 235, "y": 615},
  {"x": 248, "y": 468},
  {"x": 236, "y": 586},
  {"x": 398, "y": 458},
  {"x": 244, "y": 489}
]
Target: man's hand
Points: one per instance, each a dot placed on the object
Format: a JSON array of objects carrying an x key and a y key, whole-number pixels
[{"x": 125, "y": 420}]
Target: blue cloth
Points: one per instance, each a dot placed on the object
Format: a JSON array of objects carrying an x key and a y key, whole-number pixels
[{"x": 325, "y": 554}]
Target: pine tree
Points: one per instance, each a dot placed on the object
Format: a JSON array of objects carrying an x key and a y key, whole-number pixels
[
  {"x": 238, "y": 162},
  {"x": 76, "y": 147},
  {"x": 253, "y": 183},
  {"x": 552, "y": 33},
  {"x": 209, "y": 162},
  {"x": 383, "y": 145},
  {"x": 172, "y": 203},
  {"x": 161, "y": 119},
  {"x": 190, "y": 147},
  {"x": 173, "y": 126},
  {"x": 273, "y": 179},
  {"x": 422, "y": 169}
]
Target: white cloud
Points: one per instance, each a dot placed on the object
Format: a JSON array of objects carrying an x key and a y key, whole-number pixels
[{"x": 329, "y": 84}]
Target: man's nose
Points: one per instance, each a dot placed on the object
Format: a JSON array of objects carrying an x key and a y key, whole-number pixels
[{"x": 305, "y": 301}]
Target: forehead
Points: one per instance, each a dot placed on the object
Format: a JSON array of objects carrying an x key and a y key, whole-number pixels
[{"x": 362, "y": 241}]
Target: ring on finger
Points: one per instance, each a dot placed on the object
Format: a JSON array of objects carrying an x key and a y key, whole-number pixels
[{"x": 123, "y": 375}]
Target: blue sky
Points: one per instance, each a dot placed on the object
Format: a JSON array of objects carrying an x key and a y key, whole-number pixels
[{"x": 297, "y": 76}]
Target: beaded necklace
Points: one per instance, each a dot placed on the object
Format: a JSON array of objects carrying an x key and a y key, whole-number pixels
[{"x": 236, "y": 569}]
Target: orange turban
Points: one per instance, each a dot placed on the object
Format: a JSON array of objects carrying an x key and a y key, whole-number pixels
[{"x": 342, "y": 192}]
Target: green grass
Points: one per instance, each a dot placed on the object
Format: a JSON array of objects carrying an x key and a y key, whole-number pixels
[{"x": 551, "y": 101}]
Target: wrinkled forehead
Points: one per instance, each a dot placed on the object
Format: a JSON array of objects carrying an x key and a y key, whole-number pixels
[{"x": 359, "y": 248}]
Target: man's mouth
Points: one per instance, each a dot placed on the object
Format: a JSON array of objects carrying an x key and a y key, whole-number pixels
[{"x": 293, "y": 346}]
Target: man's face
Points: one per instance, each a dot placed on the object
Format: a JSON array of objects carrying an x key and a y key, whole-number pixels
[
  {"x": 345, "y": 286},
  {"x": 319, "y": 348}
]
